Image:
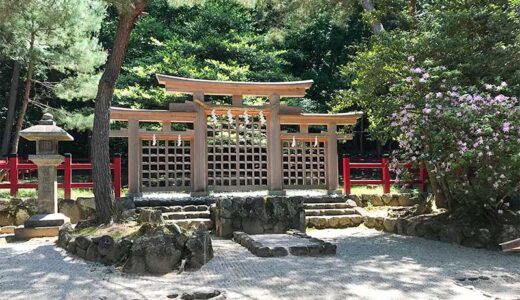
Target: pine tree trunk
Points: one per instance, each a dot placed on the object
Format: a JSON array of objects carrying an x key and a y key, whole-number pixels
[
  {"x": 11, "y": 109},
  {"x": 25, "y": 99},
  {"x": 101, "y": 176},
  {"x": 377, "y": 26},
  {"x": 412, "y": 8}
]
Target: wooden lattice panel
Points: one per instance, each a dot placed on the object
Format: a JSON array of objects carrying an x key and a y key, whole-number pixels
[
  {"x": 166, "y": 165},
  {"x": 304, "y": 164},
  {"x": 237, "y": 152}
]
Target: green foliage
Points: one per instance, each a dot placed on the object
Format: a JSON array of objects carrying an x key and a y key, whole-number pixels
[
  {"x": 215, "y": 40},
  {"x": 61, "y": 38},
  {"x": 468, "y": 144},
  {"x": 476, "y": 41}
]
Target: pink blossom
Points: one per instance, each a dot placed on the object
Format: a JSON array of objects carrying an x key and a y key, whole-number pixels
[{"x": 506, "y": 127}]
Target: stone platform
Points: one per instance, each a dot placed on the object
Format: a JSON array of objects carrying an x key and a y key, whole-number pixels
[
  {"x": 23, "y": 233},
  {"x": 276, "y": 245}
]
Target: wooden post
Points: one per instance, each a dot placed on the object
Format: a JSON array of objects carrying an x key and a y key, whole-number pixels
[
  {"x": 199, "y": 155},
  {"x": 332, "y": 158},
  {"x": 274, "y": 148},
  {"x": 237, "y": 100},
  {"x": 67, "y": 176},
  {"x": 346, "y": 175},
  {"x": 304, "y": 128},
  {"x": 422, "y": 177},
  {"x": 386, "y": 175},
  {"x": 117, "y": 175},
  {"x": 134, "y": 162},
  {"x": 13, "y": 174}
]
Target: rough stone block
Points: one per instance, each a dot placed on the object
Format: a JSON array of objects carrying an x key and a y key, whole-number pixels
[
  {"x": 46, "y": 220},
  {"x": 279, "y": 251},
  {"x": 262, "y": 252},
  {"x": 92, "y": 253},
  {"x": 328, "y": 249},
  {"x": 81, "y": 252},
  {"x": 71, "y": 209},
  {"x": 83, "y": 242},
  {"x": 299, "y": 250},
  {"x": 390, "y": 225}
]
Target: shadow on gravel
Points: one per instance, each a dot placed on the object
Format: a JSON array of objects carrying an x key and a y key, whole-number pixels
[
  {"x": 369, "y": 264},
  {"x": 47, "y": 274}
]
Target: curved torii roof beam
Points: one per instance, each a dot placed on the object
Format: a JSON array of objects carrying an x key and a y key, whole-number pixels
[{"x": 229, "y": 88}]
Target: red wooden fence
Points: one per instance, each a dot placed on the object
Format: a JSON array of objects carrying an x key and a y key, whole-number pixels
[
  {"x": 385, "y": 180},
  {"x": 13, "y": 165}
]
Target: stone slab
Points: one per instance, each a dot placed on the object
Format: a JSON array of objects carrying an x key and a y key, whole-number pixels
[
  {"x": 46, "y": 220},
  {"x": 29, "y": 233},
  {"x": 279, "y": 245}
]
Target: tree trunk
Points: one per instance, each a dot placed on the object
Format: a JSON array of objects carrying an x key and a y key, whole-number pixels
[
  {"x": 25, "y": 99},
  {"x": 442, "y": 196},
  {"x": 11, "y": 109},
  {"x": 101, "y": 176},
  {"x": 377, "y": 26},
  {"x": 412, "y": 8}
]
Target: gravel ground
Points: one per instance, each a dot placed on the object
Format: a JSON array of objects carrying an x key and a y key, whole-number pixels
[{"x": 369, "y": 265}]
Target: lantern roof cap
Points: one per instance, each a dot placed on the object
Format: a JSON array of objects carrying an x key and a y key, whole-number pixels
[{"x": 46, "y": 130}]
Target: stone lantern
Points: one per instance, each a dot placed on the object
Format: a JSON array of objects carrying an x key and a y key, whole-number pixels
[{"x": 46, "y": 135}]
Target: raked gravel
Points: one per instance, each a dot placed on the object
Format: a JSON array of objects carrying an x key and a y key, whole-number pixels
[{"x": 368, "y": 265}]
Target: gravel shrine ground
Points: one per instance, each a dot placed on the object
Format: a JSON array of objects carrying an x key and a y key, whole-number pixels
[{"x": 368, "y": 265}]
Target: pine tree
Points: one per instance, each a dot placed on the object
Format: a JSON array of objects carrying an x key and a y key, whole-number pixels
[{"x": 50, "y": 35}]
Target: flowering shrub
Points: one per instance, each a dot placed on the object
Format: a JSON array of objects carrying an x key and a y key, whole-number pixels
[{"x": 468, "y": 137}]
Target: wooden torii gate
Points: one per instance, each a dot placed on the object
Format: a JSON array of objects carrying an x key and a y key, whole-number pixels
[{"x": 231, "y": 147}]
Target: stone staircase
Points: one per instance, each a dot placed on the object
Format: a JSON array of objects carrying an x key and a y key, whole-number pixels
[
  {"x": 331, "y": 212},
  {"x": 186, "y": 216}
]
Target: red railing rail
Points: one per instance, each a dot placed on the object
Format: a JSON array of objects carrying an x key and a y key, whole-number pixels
[
  {"x": 13, "y": 165},
  {"x": 386, "y": 181}
]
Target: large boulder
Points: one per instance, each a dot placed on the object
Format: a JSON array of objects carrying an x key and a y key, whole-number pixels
[
  {"x": 151, "y": 216},
  {"x": 71, "y": 209},
  {"x": 86, "y": 203},
  {"x": 4, "y": 204},
  {"x": 200, "y": 248},
  {"x": 156, "y": 252},
  {"x": 6, "y": 219},
  {"x": 256, "y": 215}
]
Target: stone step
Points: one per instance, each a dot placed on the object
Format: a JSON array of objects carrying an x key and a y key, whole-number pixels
[
  {"x": 186, "y": 215},
  {"x": 325, "y": 199},
  {"x": 178, "y": 208},
  {"x": 192, "y": 223},
  {"x": 330, "y": 212},
  {"x": 327, "y": 205},
  {"x": 154, "y": 202},
  {"x": 339, "y": 221}
]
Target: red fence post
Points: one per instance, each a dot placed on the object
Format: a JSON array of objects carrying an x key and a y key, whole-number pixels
[
  {"x": 346, "y": 175},
  {"x": 422, "y": 177},
  {"x": 117, "y": 175},
  {"x": 67, "y": 176},
  {"x": 386, "y": 175},
  {"x": 13, "y": 174}
]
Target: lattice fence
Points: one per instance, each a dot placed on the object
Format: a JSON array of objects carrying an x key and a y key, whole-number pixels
[
  {"x": 304, "y": 164},
  {"x": 166, "y": 165},
  {"x": 237, "y": 151}
]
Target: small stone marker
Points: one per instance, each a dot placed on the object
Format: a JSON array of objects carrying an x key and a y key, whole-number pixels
[{"x": 46, "y": 135}]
